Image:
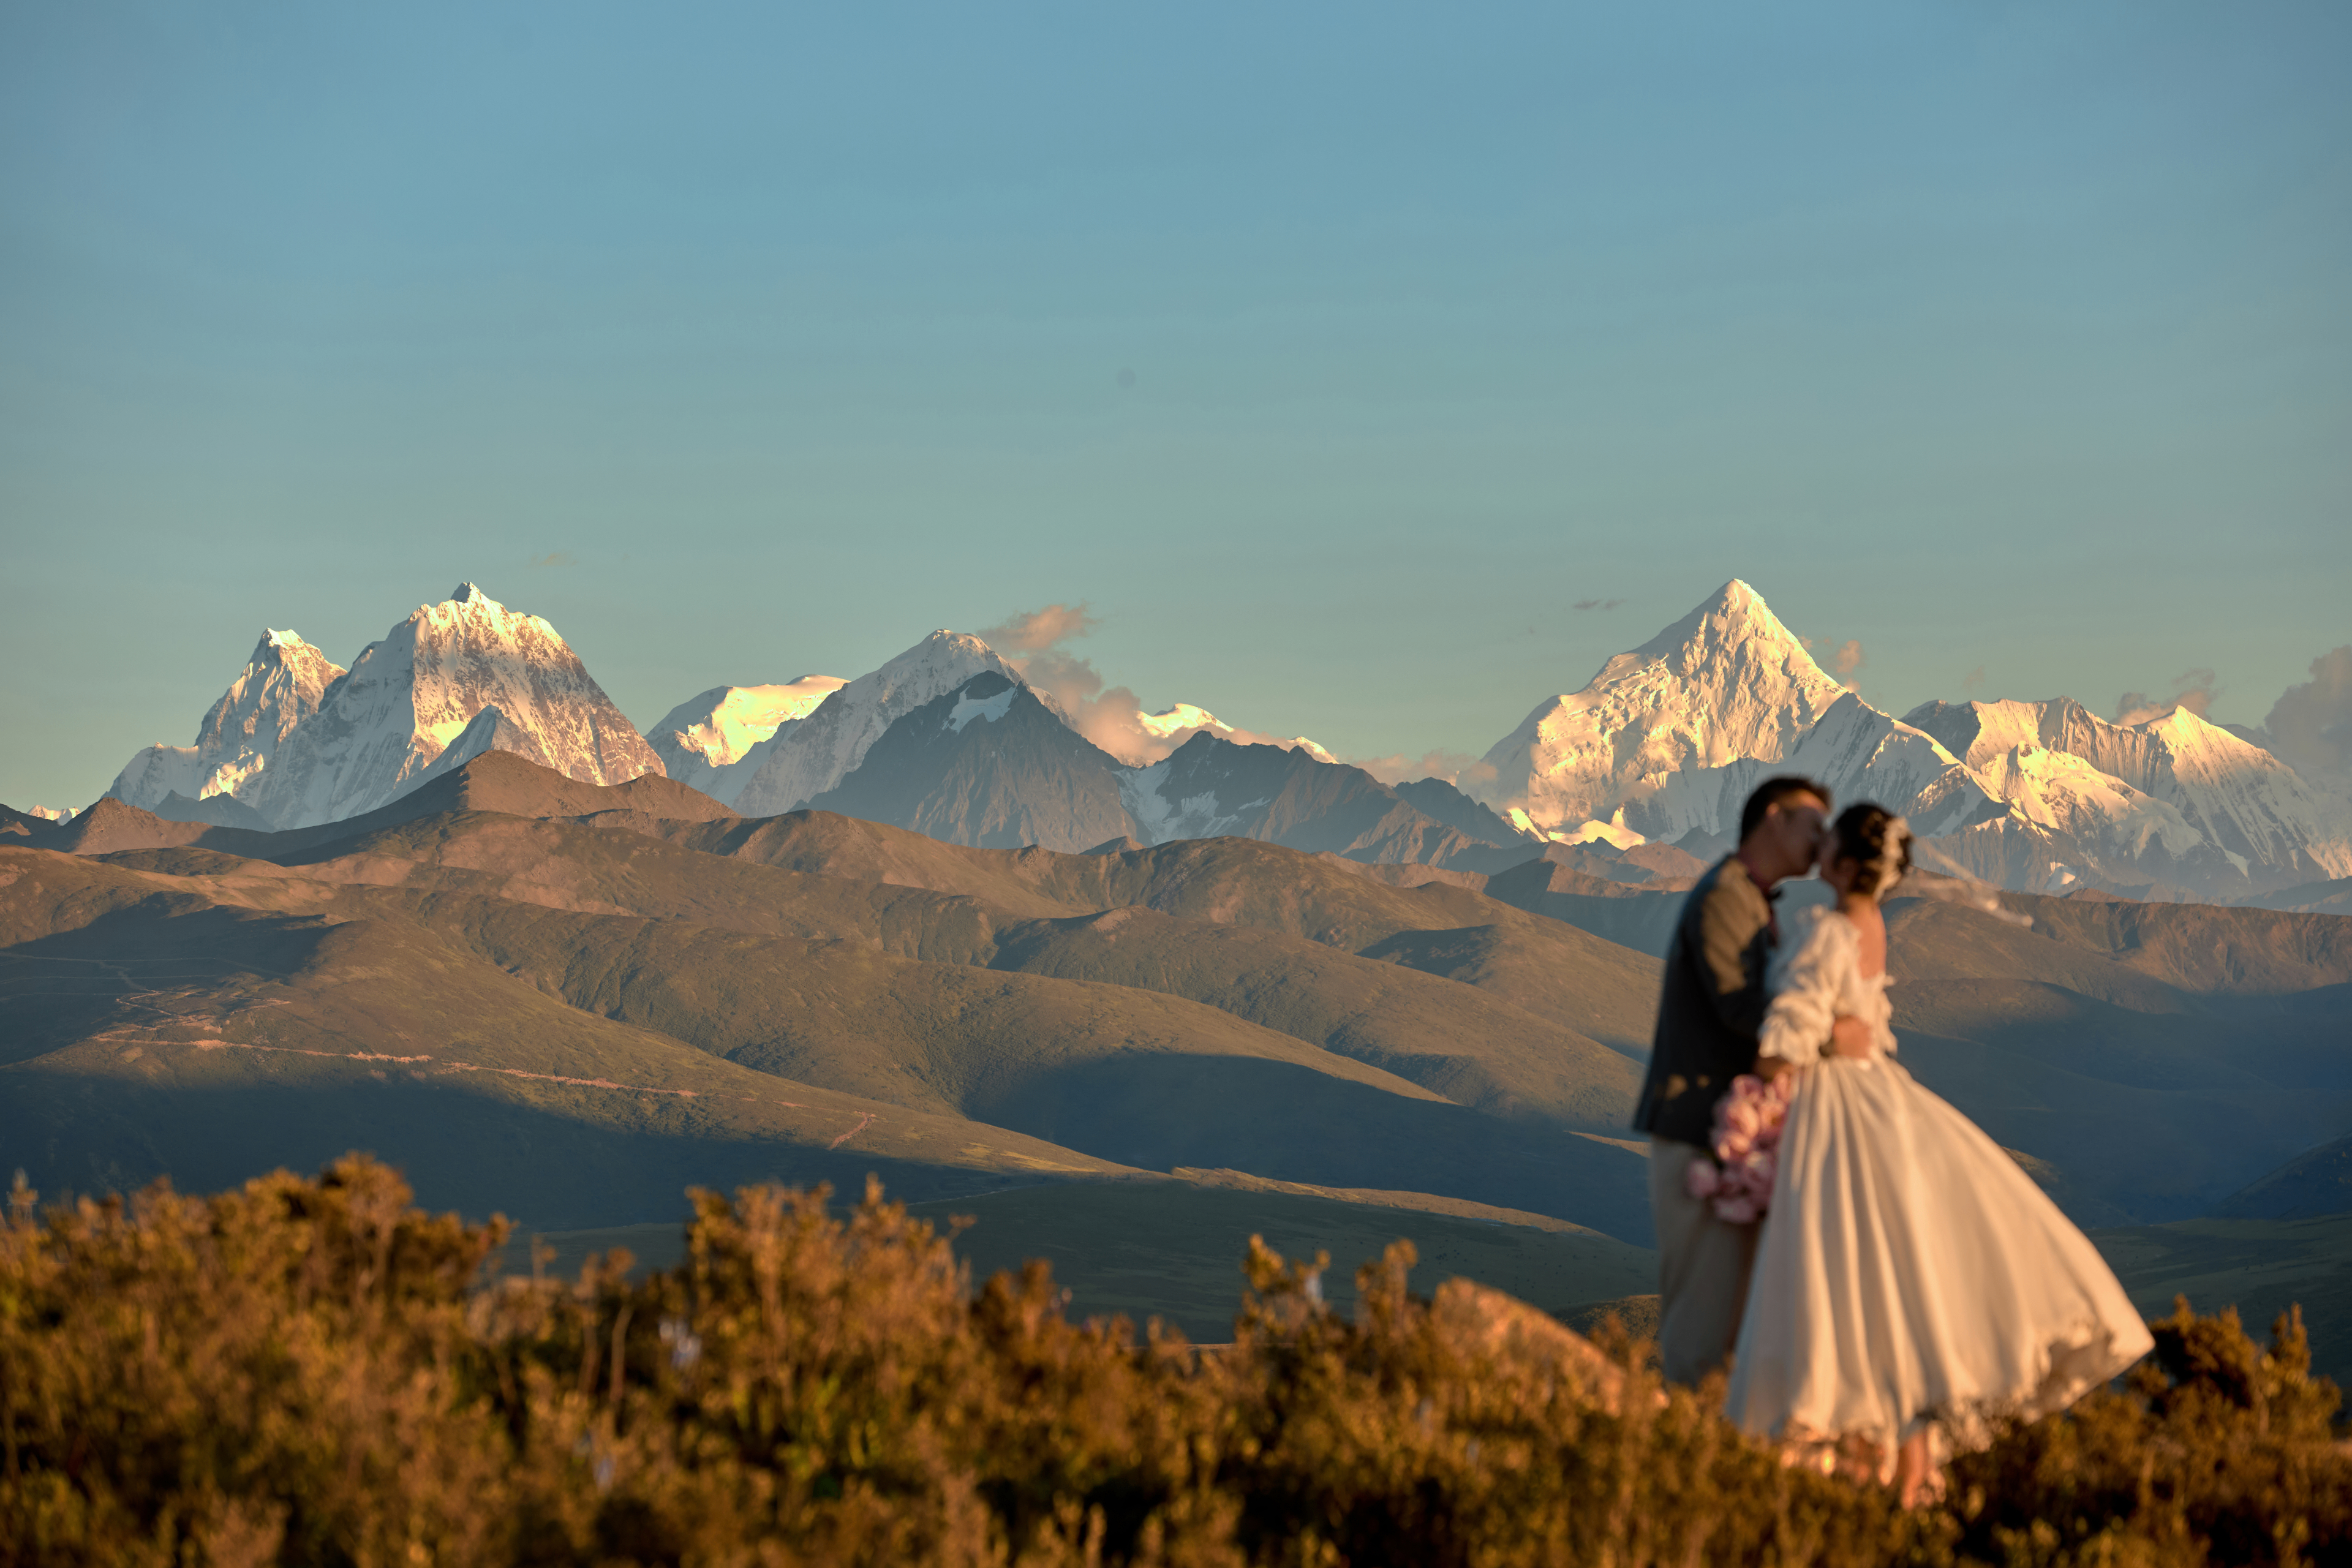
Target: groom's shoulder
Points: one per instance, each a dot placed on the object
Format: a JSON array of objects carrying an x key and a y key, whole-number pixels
[
  {"x": 1725, "y": 892},
  {"x": 1726, "y": 879}
]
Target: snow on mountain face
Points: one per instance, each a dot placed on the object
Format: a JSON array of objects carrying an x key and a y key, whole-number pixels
[
  {"x": 2062, "y": 792},
  {"x": 822, "y": 749},
  {"x": 717, "y": 741},
  {"x": 2166, "y": 777},
  {"x": 1670, "y": 737},
  {"x": 1183, "y": 719},
  {"x": 425, "y": 688},
  {"x": 279, "y": 688},
  {"x": 1860, "y": 753},
  {"x": 51, "y": 812}
]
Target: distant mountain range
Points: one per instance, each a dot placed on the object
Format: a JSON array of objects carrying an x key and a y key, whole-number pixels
[
  {"x": 446, "y": 906},
  {"x": 1637, "y": 776},
  {"x": 1667, "y": 742}
]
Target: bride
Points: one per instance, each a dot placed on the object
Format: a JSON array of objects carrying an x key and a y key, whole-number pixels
[{"x": 1911, "y": 1280}]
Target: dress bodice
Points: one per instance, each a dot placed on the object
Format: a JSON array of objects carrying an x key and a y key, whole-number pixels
[{"x": 1816, "y": 978}]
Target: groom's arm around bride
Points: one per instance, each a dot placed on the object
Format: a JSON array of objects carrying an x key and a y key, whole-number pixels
[{"x": 1712, "y": 1003}]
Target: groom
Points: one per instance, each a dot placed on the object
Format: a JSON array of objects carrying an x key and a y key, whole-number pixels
[{"x": 1713, "y": 1004}]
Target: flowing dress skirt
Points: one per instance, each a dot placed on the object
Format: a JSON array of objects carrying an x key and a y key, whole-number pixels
[{"x": 1910, "y": 1275}]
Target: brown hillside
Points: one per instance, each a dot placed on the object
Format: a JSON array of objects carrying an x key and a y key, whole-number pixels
[
  {"x": 1467, "y": 1043},
  {"x": 1471, "y": 1046},
  {"x": 1164, "y": 1080}
]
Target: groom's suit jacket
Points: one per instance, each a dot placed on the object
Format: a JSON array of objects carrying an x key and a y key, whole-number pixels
[{"x": 1713, "y": 1004}]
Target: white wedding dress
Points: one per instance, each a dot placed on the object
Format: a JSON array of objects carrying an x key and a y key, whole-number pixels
[{"x": 1909, "y": 1275}]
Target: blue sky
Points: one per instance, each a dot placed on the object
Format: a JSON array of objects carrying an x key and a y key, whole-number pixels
[{"x": 1329, "y": 353}]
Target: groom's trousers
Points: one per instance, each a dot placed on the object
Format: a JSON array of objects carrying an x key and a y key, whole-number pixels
[{"x": 1703, "y": 1267}]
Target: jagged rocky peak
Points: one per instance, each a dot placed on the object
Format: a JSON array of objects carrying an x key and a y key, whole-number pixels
[
  {"x": 413, "y": 696},
  {"x": 281, "y": 687},
  {"x": 824, "y": 748}
]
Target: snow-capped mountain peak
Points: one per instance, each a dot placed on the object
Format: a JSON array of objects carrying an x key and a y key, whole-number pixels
[
  {"x": 825, "y": 747},
  {"x": 1173, "y": 726},
  {"x": 406, "y": 699},
  {"x": 1183, "y": 719},
  {"x": 1651, "y": 731},
  {"x": 1732, "y": 628},
  {"x": 281, "y": 687}
]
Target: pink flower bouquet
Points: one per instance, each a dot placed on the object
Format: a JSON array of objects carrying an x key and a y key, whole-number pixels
[{"x": 1747, "y": 1124}]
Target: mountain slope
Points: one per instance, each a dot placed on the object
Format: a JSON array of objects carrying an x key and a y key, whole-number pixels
[
  {"x": 717, "y": 741},
  {"x": 987, "y": 764},
  {"x": 495, "y": 781},
  {"x": 1583, "y": 983},
  {"x": 449, "y": 985},
  {"x": 151, "y": 1025},
  {"x": 1457, "y": 1040},
  {"x": 1471, "y": 1046},
  {"x": 1211, "y": 787},
  {"x": 406, "y": 699}
]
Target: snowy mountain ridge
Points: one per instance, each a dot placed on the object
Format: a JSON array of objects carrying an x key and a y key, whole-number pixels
[
  {"x": 1183, "y": 721},
  {"x": 2170, "y": 800},
  {"x": 1663, "y": 744}
]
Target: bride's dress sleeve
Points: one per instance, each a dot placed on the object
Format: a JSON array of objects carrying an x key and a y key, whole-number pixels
[{"x": 1807, "y": 978}]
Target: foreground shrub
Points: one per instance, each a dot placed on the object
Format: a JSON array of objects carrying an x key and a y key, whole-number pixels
[{"x": 309, "y": 1372}]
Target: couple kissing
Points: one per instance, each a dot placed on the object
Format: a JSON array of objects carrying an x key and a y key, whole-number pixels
[{"x": 1878, "y": 1275}]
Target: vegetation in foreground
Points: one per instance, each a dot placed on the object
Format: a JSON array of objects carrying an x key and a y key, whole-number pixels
[{"x": 310, "y": 1371}]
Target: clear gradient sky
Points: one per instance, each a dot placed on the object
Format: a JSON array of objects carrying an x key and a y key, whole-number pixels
[{"x": 1331, "y": 354}]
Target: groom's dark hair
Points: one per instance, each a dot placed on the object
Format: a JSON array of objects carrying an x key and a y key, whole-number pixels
[{"x": 1771, "y": 792}]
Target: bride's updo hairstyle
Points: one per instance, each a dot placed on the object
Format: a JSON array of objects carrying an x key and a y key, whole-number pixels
[{"x": 1879, "y": 841}]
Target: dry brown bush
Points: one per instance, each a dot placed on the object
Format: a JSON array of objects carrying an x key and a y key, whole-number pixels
[{"x": 309, "y": 1372}]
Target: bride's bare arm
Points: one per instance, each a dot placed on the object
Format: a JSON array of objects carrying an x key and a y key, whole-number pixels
[{"x": 1850, "y": 1036}]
